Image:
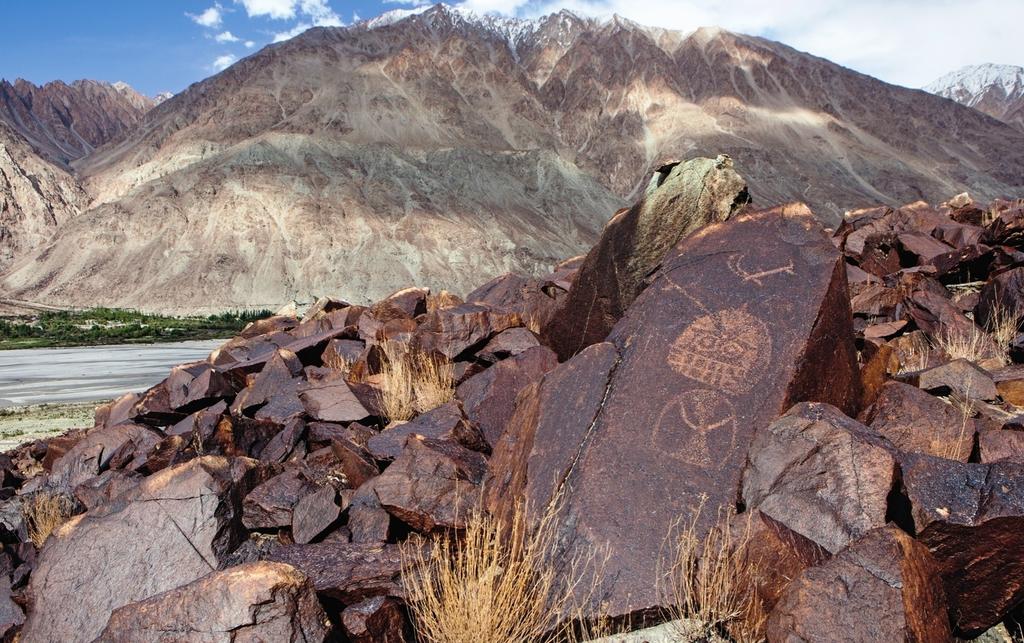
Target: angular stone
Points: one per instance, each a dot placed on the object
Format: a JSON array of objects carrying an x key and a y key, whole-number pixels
[
  {"x": 971, "y": 517},
  {"x": 168, "y": 531},
  {"x": 1003, "y": 293},
  {"x": 451, "y": 331},
  {"x": 680, "y": 199},
  {"x": 367, "y": 519},
  {"x": 1001, "y": 444},
  {"x": 260, "y": 601},
  {"x": 278, "y": 378},
  {"x": 489, "y": 397},
  {"x": 431, "y": 485},
  {"x": 191, "y": 387},
  {"x": 376, "y": 620},
  {"x": 913, "y": 420},
  {"x": 884, "y": 587},
  {"x": 270, "y": 504},
  {"x": 314, "y": 513},
  {"x": 341, "y": 352},
  {"x": 960, "y": 376},
  {"x": 354, "y": 462},
  {"x": 743, "y": 320},
  {"x": 320, "y": 434},
  {"x": 821, "y": 474},
  {"x": 446, "y": 422},
  {"x": 92, "y": 453},
  {"x": 154, "y": 407},
  {"x": 535, "y": 300},
  {"x": 348, "y": 572},
  {"x": 508, "y": 343},
  {"x": 406, "y": 303},
  {"x": 1009, "y": 383},
  {"x": 329, "y": 399}
]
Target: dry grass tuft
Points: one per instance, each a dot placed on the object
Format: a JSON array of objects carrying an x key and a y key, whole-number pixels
[
  {"x": 712, "y": 583},
  {"x": 974, "y": 345},
  {"x": 442, "y": 300},
  {"x": 495, "y": 583},
  {"x": 915, "y": 357},
  {"x": 1003, "y": 324},
  {"x": 44, "y": 512},
  {"x": 337, "y": 362},
  {"x": 413, "y": 382}
]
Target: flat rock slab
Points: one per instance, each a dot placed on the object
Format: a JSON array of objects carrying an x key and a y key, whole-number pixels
[
  {"x": 348, "y": 572},
  {"x": 884, "y": 587},
  {"x": 916, "y": 421},
  {"x": 260, "y": 601},
  {"x": 170, "y": 530},
  {"x": 744, "y": 319}
]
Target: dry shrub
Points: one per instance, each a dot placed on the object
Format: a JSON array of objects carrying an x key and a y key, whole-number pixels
[
  {"x": 712, "y": 582},
  {"x": 973, "y": 345},
  {"x": 442, "y": 300},
  {"x": 413, "y": 382},
  {"x": 498, "y": 583},
  {"x": 532, "y": 323},
  {"x": 1003, "y": 324},
  {"x": 337, "y": 362},
  {"x": 44, "y": 512},
  {"x": 965, "y": 406},
  {"x": 915, "y": 357}
]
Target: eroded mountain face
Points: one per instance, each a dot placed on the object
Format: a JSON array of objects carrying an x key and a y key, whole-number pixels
[
  {"x": 36, "y": 197},
  {"x": 65, "y": 122},
  {"x": 441, "y": 149}
]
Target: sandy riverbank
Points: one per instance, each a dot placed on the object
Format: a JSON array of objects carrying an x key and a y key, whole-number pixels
[{"x": 20, "y": 424}]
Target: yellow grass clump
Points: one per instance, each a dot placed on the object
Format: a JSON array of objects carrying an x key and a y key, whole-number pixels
[
  {"x": 413, "y": 382},
  {"x": 496, "y": 582},
  {"x": 442, "y": 300},
  {"x": 712, "y": 582},
  {"x": 44, "y": 512}
]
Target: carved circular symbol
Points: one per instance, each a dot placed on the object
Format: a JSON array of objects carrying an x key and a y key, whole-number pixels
[{"x": 728, "y": 349}]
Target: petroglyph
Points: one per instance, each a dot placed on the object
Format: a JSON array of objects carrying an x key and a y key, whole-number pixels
[
  {"x": 759, "y": 274},
  {"x": 691, "y": 421},
  {"x": 727, "y": 350}
]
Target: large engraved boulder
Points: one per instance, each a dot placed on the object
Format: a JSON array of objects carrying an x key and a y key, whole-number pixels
[
  {"x": 174, "y": 527},
  {"x": 259, "y": 601},
  {"x": 680, "y": 199},
  {"x": 744, "y": 319}
]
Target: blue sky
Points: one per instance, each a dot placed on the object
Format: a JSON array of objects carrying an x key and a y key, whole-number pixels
[{"x": 164, "y": 45}]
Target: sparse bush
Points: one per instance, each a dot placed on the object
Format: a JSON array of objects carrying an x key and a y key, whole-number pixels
[
  {"x": 974, "y": 345},
  {"x": 44, "y": 512},
  {"x": 413, "y": 382},
  {"x": 496, "y": 582},
  {"x": 712, "y": 583}
]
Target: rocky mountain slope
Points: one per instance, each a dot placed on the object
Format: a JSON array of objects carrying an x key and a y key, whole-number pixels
[
  {"x": 997, "y": 90},
  {"x": 36, "y": 197},
  {"x": 66, "y": 122},
  {"x": 438, "y": 147},
  {"x": 836, "y": 414}
]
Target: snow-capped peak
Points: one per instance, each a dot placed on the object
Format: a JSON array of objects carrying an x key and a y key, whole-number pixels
[
  {"x": 971, "y": 83},
  {"x": 162, "y": 96}
]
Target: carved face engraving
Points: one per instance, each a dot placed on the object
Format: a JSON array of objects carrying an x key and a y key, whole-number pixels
[
  {"x": 727, "y": 350},
  {"x": 693, "y": 421}
]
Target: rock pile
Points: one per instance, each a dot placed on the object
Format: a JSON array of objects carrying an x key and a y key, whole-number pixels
[{"x": 853, "y": 397}]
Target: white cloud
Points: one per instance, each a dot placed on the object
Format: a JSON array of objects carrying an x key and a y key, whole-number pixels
[
  {"x": 312, "y": 13},
  {"x": 291, "y": 33},
  {"x": 223, "y": 62},
  {"x": 211, "y": 18},
  {"x": 249, "y": 44},
  {"x": 909, "y": 42},
  {"x": 276, "y": 9},
  {"x": 226, "y": 36}
]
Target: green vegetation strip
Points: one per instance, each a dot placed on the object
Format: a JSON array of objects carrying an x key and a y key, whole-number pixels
[{"x": 115, "y": 326}]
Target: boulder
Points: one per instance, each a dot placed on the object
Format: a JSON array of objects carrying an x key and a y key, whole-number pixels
[
  {"x": 884, "y": 587},
  {"x": 962, "y": 377},
  {"x": 821, "y": 474},
  {"x": 328, "y": 398},
  {"x": 679, "y": 199},
  {"x": 743, "y": 320},
  {"x": 508, "y": 343},
  {"x": 275, "y": 387},
  {"x": 314, "y": 513},
  {"x": 368, "y": 522},
  {"x": 489, "y": 397},
  {"x": 91, "y": 454},
  {"x": 406, "y": 303},
  {"x": 376, "y": 620},
  {"x": 1003, "y": 296},
  {"x": 260, "y": 601},
  {"x": 446, "y": 422},
  {"x": 1000, "y": 444},
  {"x": 433, "y": 484},
  {"x": 171, "y": 529},
  {"x": 913, "y": 420},
  {"x": 271, "y": 503},
  {"x": 450, "y": 331},
  {"x": 971, "y": 517},
  {"x": 347, "y": 572},
  {"x": 191, "y": 387}
]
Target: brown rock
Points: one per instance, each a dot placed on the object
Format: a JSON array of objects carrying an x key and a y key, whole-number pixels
[
  {"x": 922, "y": 246},
  {"x": 821, "y": 474},
  {"x": 675, "y": 396},
  {"x": 376, "y": 620},
  {"x": 971, "y": 517},
  {"x": 260, "y": 601},
  {"x": 340, "y": 352},
  {"x": 191, "y": 387},
  {"x": 314, "y": 513},
  {"x": 168, "y": 531},
  {"x": 874, "y": 373},
  {"x": 960, "y": 376},
  {"x": 916, "y": 421},
  {"x": 348, "y": 572},
  {"x": 1003, "y": 295},
  {"x": 431, "y": 485},
  {"x": 407, "y": 303},
  {"x": 367, "y": 519},
  {"x": 1010, "y": 384},
  {"x": 489, "y": 397},
  {"x": 535, "y": 300},
  {"x": 91, "y": 454},
  {"x": 446, "y": 422},
  {"x": 884, "y": 587},
  {"x": 450, "y": 331},
  {"x": 508, "y": 343},
  {"x": 271, "y": 503},
  {"x": 1001, "y": 444},
  {"x": 329, "y": 399},
  {"x": 277, "y": 383},
  {"x": 354, "y": 462},
  {"x": 680, "y": 199},
  {"x": 154, "y": 407}
]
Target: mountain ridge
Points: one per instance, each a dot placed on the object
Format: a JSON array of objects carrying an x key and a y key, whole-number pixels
[{"x": 996, "y": 90}]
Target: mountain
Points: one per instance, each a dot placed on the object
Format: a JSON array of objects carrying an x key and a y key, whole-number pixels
[
  {"x": 439, "y": 147},
  {"x": 36, "y": 197},
  {"x": 65, "y": 122},
  {"x": 997, "y": 90}
]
